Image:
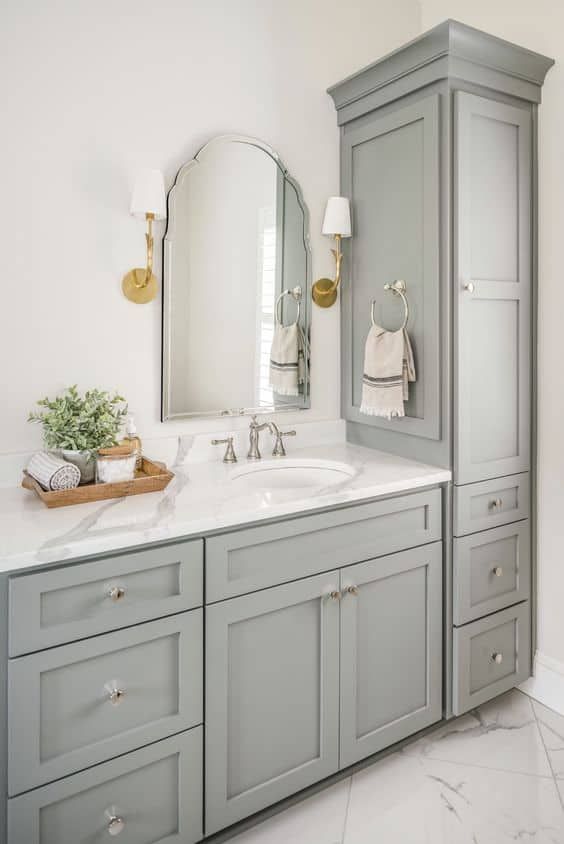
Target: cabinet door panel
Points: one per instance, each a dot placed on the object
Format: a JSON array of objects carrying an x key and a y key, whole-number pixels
[
  {"x": 272, "y": 696},
  {"x": 391, "y": 650},
  {"x": 493, "y": 280}
]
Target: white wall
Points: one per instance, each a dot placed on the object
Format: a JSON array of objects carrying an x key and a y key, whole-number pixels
[
  {"x": 91, "y": 92},
  {"x": 539, "y": 26}
]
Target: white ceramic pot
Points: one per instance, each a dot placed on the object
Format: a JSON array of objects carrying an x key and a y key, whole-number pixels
[{"x": 83, "y": 460}]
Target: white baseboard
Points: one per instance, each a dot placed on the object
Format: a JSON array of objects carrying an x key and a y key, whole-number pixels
[{"x": 547, "y": 683}]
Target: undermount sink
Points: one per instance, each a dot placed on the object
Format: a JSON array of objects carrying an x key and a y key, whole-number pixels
[{"x": 285, "y": 473}]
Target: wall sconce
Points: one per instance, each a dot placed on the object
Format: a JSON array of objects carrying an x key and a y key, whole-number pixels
[
  {"x": 337, "y": 223},
  {"x": 148, "y": 201}
]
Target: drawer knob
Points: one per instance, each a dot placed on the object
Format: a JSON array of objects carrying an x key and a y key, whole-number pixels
[
  {"x": 498, "y": 571},
  {"x": 116, "y": 825},
  {"x": 352, "y": 589},
  {"x": 470, "y": 287},
  {"x": 497, "y": 658},
  {"x": 116, "y": 593},
  {"x": 116, "y": 696},
  {"x": 496, "y": 504}
]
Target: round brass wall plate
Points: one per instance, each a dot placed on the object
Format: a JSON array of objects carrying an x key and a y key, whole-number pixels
[
  {"x": 324, "y": 292},
  {"x": 134, "y": 289}
]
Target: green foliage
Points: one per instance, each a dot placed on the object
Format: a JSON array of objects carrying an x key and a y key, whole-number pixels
[{"x": 81, "y": 423}]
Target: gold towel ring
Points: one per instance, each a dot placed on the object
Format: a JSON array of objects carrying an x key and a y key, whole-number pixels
[
  {"x": 399, "y": 288},
  {"x": 296, "y": 294}
]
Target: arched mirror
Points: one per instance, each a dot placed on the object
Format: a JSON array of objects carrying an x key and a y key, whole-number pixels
[{"x": 236, "y": 269}]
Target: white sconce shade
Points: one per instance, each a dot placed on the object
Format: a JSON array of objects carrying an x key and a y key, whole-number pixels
[
  {"x": 148, "y": 195},
  {"x": 337, "y": 218}
]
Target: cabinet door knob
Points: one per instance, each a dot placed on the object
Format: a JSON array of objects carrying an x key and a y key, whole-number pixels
[
  {"x": 116, "y": 593},
  {"x": 116, "y": 825},
  {"x": 335, "y": 595},
  {"x": 498, "y": 571},
  {"x": 470, "y": 287},
  {"x": 116, "y": 696},
  {"x": 496, "y": 503},
  {"x": 497, "y": 658},
  {"x": 352, "y": 589}
]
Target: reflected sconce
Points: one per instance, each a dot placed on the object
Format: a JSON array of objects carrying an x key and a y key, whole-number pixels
[
  {"x": 148, "y": 202},
  {"x": 337, "y": 224}
]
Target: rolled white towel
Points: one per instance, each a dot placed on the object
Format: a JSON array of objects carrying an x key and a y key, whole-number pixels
[{"x": 52, "y": 472}]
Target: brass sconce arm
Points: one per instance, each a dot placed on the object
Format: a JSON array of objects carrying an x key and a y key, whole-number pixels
[
  {"x": 150, "y": 242},
  {"x": 140, "y": 285},
  {"x": 324, "y": 291}
]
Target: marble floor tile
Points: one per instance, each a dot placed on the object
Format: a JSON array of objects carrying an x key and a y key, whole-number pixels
[
  {"x": 318, "y": 820},
  {"x": 502, "y": 734},
  {"x": 551, "y": 725},
  {"x": 416, "y": 800}
]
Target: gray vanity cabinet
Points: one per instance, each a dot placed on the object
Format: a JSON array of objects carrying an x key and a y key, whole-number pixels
[
  {"x": 438, "y": 157},
  {"x": 492, "y": 281},
  {"x": 391, "y": 650},
  {"x": 272, "y": 696}
]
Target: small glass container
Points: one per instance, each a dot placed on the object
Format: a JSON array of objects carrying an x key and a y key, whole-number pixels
[{"x": 115, "y": 465}]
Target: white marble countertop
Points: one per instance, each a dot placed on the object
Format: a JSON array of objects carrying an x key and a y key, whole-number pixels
[{"x": 201, "y": 498}]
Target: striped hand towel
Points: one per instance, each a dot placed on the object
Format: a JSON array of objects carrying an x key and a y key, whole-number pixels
[
  {"x": 287, "y": 361},
  {"x": 388, "y": 369},
  {"x": 52, "y": 472}
]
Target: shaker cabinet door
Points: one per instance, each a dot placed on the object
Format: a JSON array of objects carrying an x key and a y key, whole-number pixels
[
  {"x": 272, "y": 696},
  {"x": 391, "y": 650},
  {"x": 493, "y": 281}
]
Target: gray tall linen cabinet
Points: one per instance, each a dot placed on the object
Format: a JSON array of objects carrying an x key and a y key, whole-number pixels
[{"x": 439, "y": 158}]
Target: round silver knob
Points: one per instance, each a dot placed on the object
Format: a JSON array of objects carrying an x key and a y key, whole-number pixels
[
  {"x": 116, "y": 593},
  {"x": 116, "y": 696},
  {"x": 352, "y": 590},
  {"x": 470, "y": 287},
  {"x": 497, "y": 658},
  {"x": 116, "y": 825},
  {"x": 335, "y": 595},
  {"x": 496, "y": 503},
  {"x": 498, "y": 571}
]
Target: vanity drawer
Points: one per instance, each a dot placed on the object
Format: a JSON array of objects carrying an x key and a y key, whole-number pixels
[
  {"x": 478, "y": 676},
  {"x": 490, "y": 503},
  {"x": 155, "y": 792},
  {"x": 69, "y": 603},
  {"x": 248, "y": 560},
  {"x": 492, "y": 570},
  {"x": 65, "y": 713}
]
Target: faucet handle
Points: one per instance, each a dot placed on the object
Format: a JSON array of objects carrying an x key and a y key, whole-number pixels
[
  {"x": 279, "y": 450},
  {"x": 229, "y": 456}
]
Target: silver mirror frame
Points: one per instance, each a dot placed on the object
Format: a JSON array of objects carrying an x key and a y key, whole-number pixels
[{"x": 166, "y": 415}]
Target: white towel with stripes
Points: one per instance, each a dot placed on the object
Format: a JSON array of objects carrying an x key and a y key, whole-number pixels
[
  {"x": 287, "y": 360},
  {"x": 388, "y": 369},
  {"x": 52, "y": 472}
]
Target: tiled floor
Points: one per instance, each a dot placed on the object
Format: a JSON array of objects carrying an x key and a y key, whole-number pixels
[{"x": 493, "y": 776}]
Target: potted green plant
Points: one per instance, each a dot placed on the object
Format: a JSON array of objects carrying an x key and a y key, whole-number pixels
[{"x": 78, "y": 425}]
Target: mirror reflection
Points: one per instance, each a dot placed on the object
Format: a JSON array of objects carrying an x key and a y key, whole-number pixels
[{"x": 236, "y": 302}]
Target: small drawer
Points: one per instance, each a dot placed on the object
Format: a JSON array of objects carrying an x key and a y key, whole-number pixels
[
  {"x": 80, "y": 704},
  {"x": 64, "y": 604},
  {"x": 152, "y": 796},
  {"x": 252, "y": 559},
  {"x": 490, "y": 503},
  {"x": 492, "y": 570},
  {"x": 490, "y": 656}
]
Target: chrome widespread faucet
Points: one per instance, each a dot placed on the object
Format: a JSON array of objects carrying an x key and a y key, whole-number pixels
[{"x": 254, "y": 430}]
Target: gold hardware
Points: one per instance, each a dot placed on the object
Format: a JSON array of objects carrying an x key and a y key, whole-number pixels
[
  {"x": 140, "y": 285},
  {"x": 352, "y": 590},
  {"x": 116, "y": 696},
  {"x": 324, "y": 291},
  {"x": 116, "y": 593},
  {"x": 498, "y": 571},
  {"x": 497, "y": 658}
]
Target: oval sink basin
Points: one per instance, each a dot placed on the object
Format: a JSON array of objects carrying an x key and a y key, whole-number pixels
[{"x": 286, "y": 473}]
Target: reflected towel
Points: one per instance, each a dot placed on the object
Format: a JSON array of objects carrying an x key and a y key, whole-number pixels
[
  {"x": 287, "y": 360},
  {"x": 388, "y": 369},
  {"x": 52, "y": 472}
]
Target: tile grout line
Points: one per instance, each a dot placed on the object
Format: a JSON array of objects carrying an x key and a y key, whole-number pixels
[
  {"x": 347, "y": 810},
  {"x": 554, "y": 777}
]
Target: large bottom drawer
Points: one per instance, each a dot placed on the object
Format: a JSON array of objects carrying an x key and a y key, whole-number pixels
[
  {"x": 491, "y": 656},
  {"x": 152, "y": 796}
]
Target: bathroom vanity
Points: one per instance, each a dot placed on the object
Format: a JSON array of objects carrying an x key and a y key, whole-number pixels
[{"x": 164, "y": 689}]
